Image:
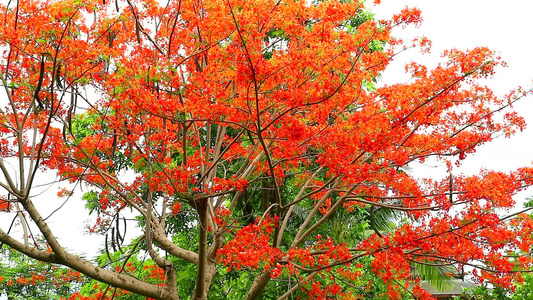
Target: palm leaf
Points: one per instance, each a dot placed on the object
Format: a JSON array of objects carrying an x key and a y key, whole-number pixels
[{"x": 436, "y": 275}]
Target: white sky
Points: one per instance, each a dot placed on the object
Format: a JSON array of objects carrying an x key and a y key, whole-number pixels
[{"x": 503, "y": 26}]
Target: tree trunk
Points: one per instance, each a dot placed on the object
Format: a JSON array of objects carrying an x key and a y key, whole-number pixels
[{"x": 258, "y": 286}]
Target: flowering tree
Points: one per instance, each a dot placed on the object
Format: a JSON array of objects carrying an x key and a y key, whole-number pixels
[
  {"x": 24, "y": 278},
  {"x": 250, "y": 135}
]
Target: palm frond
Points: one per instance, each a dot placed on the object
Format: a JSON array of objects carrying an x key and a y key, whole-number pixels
[{"x": 437, "y": 276}]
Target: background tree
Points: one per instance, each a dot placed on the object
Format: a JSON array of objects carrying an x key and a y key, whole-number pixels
[
  {"x": 26, "y": 278},
  {"x": 249, "y": 139}
]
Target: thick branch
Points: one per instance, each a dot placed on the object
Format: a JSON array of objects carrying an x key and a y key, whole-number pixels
[
  {"x": 258, "y": 286},
  {"x": 199, "y": 292},
  {"x": 165, "y": 244},
  {"x": 26, "y": 249},
  {"x": 85, "y": 267}
]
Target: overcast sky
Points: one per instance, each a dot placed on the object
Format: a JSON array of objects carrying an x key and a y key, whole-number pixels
[{"x": 503, "y": 26}]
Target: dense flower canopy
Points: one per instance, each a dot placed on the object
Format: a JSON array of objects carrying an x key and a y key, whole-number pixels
[{"x": 257, "y": 125}]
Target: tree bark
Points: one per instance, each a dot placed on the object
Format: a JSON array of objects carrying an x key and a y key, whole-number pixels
[
  {"x": 258, "y": 286},
  {"x": 199, "y": 290}
]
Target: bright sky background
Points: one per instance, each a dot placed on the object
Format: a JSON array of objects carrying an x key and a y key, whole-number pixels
[{"x": 503, "y": 26}]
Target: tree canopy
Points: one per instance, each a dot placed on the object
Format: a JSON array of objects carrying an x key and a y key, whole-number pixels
[{"x": 254, "y": 147}]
